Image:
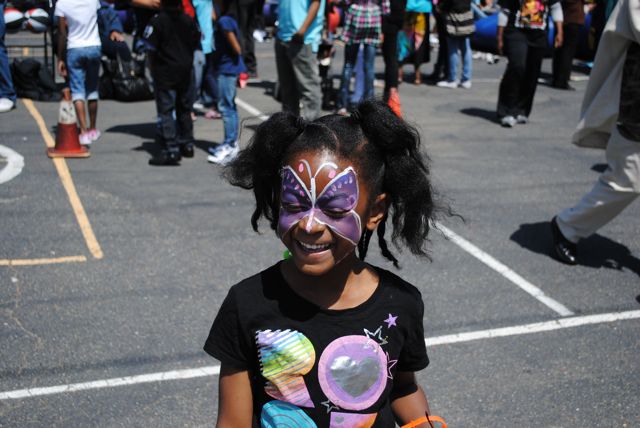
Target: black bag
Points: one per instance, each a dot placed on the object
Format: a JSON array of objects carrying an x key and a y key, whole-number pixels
[
  {"x": 32, "y": 80},
  {"x": 124, "y": 81}
]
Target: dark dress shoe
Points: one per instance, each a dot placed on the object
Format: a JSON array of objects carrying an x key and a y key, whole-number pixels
[
  {"x": 166, "y": 158},
  {"x": 564, "y": 249},
  {"x": 186, "y": 150}
]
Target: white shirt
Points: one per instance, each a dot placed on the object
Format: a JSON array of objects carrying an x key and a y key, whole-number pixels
[{"x": 82, "y": 21}]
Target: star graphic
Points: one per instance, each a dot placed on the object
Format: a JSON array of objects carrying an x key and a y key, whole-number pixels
[
  {"x": 377, "y": 336},
  {"x": 392, "y": 363},
  {"x": 391, "y": 321},
  {"x": 329, "y": 406}
]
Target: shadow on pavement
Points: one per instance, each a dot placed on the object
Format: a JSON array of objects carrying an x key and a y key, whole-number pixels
[
  {"x": 594, "y": 252},
  {"x": 489, "y": 115},
  {"x": 142, "y": 130}
]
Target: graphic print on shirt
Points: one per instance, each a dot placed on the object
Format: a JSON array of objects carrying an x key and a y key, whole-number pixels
[
  {"x": 276, "y": 414},
  {"x": 334, "y": 206},
  {"x": 285, "y": 356},
  {"x": 531, "y": 15}
]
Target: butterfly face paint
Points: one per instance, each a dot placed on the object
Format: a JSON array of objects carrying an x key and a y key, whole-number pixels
[{"x": 334, "y": 206}]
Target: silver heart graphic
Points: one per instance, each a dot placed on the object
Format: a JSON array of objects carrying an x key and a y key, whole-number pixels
[{"x": 355, "y": 377}]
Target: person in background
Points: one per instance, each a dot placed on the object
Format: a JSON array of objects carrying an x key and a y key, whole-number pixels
[
  {"x": 246, "y": 13},
  {"x": 460, "y": 26},
  {"x": 441, "y": 67},
  {"x": 205, "y": 80},
  {"x": 522, "y": 37},
  {"x": 7, "y": 91},
  {"x": 227, "y": 64},
  {"x": 171, "y": 38},
  {"x": 614, "y": 82},
  {"x": 112, "y": 33},
  {"x": 391, "y": 26},
  {"x": 79, "y": 51},
  {"x": 362, "y": 27},
  {"x": 417, "y": 21},
  {"x": 573, "y": 12},
  {"x": 296, "y": 47}
]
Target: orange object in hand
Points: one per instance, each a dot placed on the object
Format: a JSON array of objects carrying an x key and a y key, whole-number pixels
[{"x": 430, "y": 418}]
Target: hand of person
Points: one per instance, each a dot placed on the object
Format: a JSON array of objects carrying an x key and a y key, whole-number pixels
[
  {"x": 62, "y": 68},
  {"x": 558, "y": 40},
  {"x": 297, "y": 38},
  {"x": 116, "y": 36}
]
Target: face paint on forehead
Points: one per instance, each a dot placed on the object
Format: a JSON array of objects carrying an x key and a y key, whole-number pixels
[{"x": 333, "y": 207}]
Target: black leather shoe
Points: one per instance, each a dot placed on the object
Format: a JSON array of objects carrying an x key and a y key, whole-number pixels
[
  {"x": 166, "y": 158},
  {"x": 186, "y": 150},
  {"x": 564, "y": 249}
]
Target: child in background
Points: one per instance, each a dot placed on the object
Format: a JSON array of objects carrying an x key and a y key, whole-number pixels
[
  {"x": 227, "y": 65},
  {"x": 323, "y": 338},
  {"x": 79, "y": 59},
  {"x": 171, "y": 38}
]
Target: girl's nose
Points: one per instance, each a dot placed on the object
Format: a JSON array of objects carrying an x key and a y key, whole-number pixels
[{"x": 310, "y": 224}]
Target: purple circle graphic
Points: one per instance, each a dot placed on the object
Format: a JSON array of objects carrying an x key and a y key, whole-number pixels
[{"x": 353, "y": 372}]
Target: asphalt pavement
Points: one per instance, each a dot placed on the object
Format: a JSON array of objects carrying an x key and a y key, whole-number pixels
[{"x": 112, "y": 307}]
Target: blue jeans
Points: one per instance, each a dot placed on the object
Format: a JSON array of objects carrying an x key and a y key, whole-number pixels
[
  {"x": 6, "y": 84},
  {"x": 227, "y": 106},
  {"x": 83, "y": 66},
  {"x": 464, "y": 45},
  {"x": 350, "y": 57}
]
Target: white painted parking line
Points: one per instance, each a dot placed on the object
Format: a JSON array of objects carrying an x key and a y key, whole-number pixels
[
  {"x": 476, "y": 252},
  {"x": 430, "y": 341},
  {"x": 15, "y": 163},
  {"x": 505, "y": 271}
]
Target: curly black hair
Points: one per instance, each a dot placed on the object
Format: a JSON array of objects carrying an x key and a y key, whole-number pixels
[{"x": 384, "y": 147}]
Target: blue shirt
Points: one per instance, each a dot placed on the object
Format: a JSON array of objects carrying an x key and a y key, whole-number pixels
[
  {"x": 291, "y": 15},
  {"x": 226, "y": 61},
  {"x": 204, "y": 8}
]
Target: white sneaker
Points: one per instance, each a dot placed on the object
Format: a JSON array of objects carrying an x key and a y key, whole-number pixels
[
  {"x": 6, "y": 105},
  {"x": 447, "y": 84},
  {"x": 522, "y": 119},
  {"x": 466, "y": 84},
  {"x": 508, "y": 121},
  {"x": 224, "y": 154},
  {"x": 85, "y": 139}
]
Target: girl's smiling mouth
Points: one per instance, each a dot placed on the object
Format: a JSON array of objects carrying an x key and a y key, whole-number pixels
[{"x": 313, "y": 248}]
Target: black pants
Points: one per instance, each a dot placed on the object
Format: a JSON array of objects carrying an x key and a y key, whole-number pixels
[
  {"x": 178, "y": 131},
  {"x": 441, "y": 67},
  {"x": 246, "y": 14},
  {"x": 563, "y": 56},
  {"x": 390, "y": 53},
  {"x": 525, "y": 51}
]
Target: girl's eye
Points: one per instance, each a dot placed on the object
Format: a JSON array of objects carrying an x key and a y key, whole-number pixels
[
  {"x": 335, "y": 213},
  {"x": 293, "y": 208}
]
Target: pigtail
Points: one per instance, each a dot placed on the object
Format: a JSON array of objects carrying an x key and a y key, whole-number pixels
[
  {"x": 405, "y": 177},
  {"x": 258, "y": 166}
]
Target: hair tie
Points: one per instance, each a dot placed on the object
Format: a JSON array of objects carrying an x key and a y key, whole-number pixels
[{"x": 356, "y": 115}]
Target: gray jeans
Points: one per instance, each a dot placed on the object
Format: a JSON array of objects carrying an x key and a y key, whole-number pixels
[{"x": 299, "y": 79}]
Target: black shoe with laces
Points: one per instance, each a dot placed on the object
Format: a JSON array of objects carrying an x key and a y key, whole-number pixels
[
  {"x": 166, "y": 158},
  {"x": 564, "y": 250}
]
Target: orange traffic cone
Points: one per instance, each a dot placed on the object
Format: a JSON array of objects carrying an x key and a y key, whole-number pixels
[{"x": 67, "y": 140}]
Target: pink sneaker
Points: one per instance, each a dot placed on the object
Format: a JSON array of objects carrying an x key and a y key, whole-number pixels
[
  {"x": 94, "y": 134},
  {"x": 85, "y": 139}
]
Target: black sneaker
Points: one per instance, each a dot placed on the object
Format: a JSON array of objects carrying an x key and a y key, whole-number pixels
[
  {"x": 186, "y": 150},
  {"x": 166, "y": 158}
]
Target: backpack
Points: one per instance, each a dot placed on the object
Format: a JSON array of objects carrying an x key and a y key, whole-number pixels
[{"x": 32, "y": 80}]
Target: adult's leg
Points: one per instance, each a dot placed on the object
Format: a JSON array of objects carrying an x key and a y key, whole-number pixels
[
  {"x": 535, "y": 55},
  {"x": 358, "y": 90},
  {"x": 184, "y": 105},
  {"x": 305, "y": 67},
  {"x": 165, "y": 105},
  {"x": 563, "y": 56},
  {"x": 423, "y": 52},
  {"x": 350, "y": 56},
  {"x": 467, "y": 63},
  {"x": 6, "y": 83},
  {"x": 227, "y": 107},
  {"x": 199, "y": 62},
  {"x": 369, "y": 71},
  {"x": 390, "y": 54},
  {"x": 453, "y": 44},
  {"x": 77, "y": 70},
  {"x": 209, "y": 84},
  {"x": 246, "y": 13},
  {"x": 515, "y": 49},
  {"x": 442, "y": 63},
  {"x": 286, "y": 78},
  {"x": 616, "y": 188}
]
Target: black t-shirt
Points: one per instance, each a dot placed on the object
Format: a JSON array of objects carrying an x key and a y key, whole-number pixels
[
  {"x": 174, "y": 37},
  {"x": 319, "y": 367},
  {"x": 527, "y": 14}
]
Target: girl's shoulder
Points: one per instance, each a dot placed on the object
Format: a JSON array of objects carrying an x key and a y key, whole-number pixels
[{"x": 393, "y": 282}]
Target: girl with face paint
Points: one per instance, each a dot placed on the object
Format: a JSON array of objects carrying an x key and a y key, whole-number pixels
[{"x": 323, "y": 339}]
